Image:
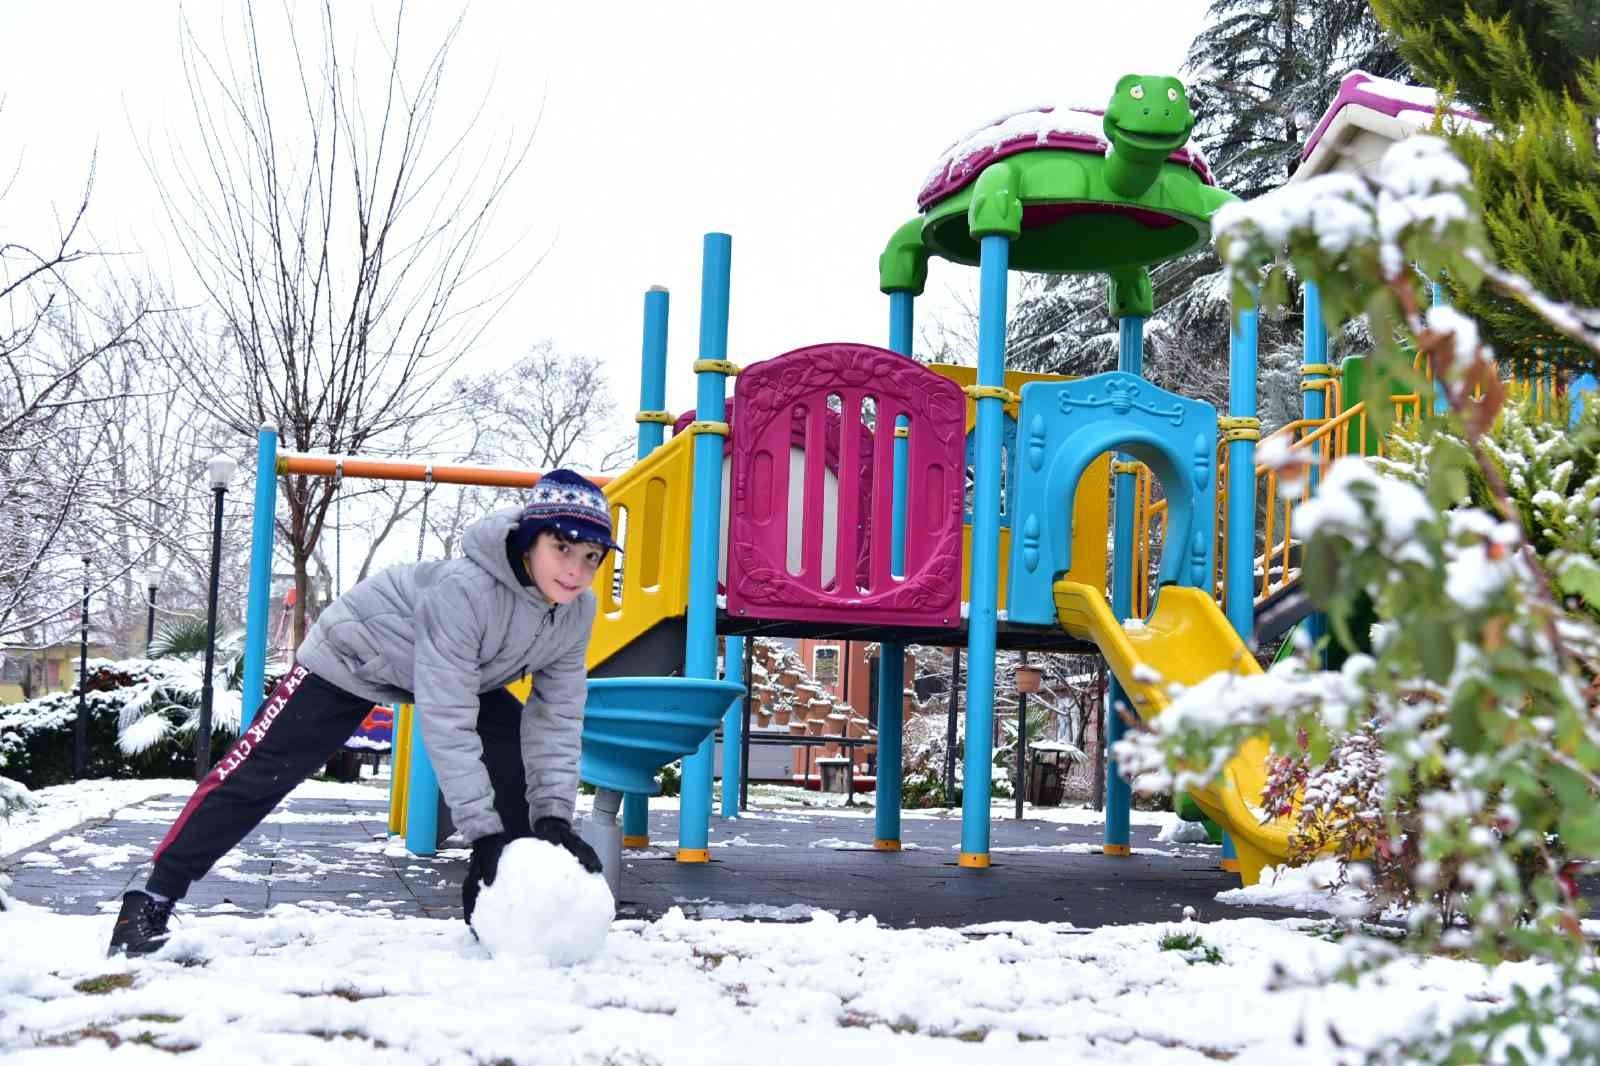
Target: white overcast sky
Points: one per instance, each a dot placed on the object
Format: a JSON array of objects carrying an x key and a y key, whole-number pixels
[{"x": 803, "y": 130}]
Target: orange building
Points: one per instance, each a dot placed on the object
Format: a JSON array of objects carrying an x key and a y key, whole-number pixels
[{"x": 847, "y": 673}]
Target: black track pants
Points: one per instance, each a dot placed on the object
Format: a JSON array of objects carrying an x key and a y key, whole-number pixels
[{"x": 297, "y": 730}]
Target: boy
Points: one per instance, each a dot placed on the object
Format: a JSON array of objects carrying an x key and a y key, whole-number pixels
[{"x": 446, "y": 636}]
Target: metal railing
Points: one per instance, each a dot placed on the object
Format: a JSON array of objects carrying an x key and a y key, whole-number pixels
[{"x": 1280, "y": 489}]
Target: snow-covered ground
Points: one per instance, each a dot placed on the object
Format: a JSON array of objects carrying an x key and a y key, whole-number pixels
[
  {"x": 346, "y": 979},
  {"x": 337, "y": 984},
  {"x": 62, "y": 807}
]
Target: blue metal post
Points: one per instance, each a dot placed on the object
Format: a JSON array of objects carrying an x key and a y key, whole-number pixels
[
  {"x": 1230, "y": 853},
  {"x": 732, "y": 728},
  {"x": 901, "y": 305},
  {"x": 652, "y": 398},
  {"x": 1315, "y": 406},
  {"x": 891, "y": 726},
  {"x": 653, "y": 370},
  {"x": 1314, "y": 403},
  {"x": 700, "y": 650},
  {"x": 892, "y": 657},
  {"x": 422, "y": 795},
  {"x": 1119, "y": 794},
  {"x": 994, "y": 260},
  {"x": 1241, "y": 547},
  {"x": 259, "y": 600}
]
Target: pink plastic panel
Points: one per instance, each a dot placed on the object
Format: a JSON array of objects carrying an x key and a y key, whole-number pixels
[
  {"x": 797, "y": 441},
  {"x": 775, "y": 400}
]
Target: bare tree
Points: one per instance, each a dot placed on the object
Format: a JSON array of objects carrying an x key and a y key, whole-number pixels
[
  {"x": 548, "y": 410},
  {"x": 64, "y": 488},
  {"x": 340, "y": 238}
]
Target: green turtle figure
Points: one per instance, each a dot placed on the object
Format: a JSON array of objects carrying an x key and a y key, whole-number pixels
[
  {"x": 1077, "y": 190},
  {"x": 1148, "y": 119}
]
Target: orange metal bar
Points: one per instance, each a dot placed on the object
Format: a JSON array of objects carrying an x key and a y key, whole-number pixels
[{"x": 394, "y": 470}]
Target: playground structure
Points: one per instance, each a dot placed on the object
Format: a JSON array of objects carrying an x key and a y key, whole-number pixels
[{"x": 848, "y": 512}]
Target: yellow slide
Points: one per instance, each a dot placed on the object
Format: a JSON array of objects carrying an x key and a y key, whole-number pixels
[{"x": 1186, "y": 640}]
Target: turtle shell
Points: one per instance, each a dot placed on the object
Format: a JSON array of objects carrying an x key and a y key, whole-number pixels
[{"x": 1068, "y": 129}]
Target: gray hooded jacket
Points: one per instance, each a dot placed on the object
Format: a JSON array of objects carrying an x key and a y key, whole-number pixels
[{"x": 438, "y": 633}]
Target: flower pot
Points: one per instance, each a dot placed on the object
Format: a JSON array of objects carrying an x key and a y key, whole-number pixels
[
  {"x": 781, "y": 716},
  {"x": 1028, "y": 679}
]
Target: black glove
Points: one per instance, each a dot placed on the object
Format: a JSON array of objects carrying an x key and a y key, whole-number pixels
[
  {"x": 481, "y": 868},
  {"x": 558, "y": 831}
]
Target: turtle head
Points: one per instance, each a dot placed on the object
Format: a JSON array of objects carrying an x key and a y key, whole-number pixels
[{"x": 1148, "y": 118}]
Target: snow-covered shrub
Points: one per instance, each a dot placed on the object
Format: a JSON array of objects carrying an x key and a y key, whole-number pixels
[
  {"x": 142, "y": 718},
  {"x": 1551, "y": 474},
  {"x": 1553, "y": 483},
  {"x": 14, "y": 799},
  {"x": 1476, "y": 707},
  {"x": 923, "y": 760},
  {"x": 671, "y": 778}
]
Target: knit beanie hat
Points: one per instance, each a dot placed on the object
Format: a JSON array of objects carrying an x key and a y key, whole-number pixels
[{"x": 568, "y": 503}]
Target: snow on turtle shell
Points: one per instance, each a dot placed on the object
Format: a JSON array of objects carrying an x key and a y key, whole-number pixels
[{"x": 1073, "y": 129}]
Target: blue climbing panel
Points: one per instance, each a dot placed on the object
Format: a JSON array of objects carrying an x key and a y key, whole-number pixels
[{"x": 1062, "y": 428}]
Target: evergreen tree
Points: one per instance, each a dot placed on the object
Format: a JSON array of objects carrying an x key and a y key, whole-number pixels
[
  {"x": 1498, "y": 54},
  {"x": 1532, "y": 69},
  {"x": 1263, "y": 71}
]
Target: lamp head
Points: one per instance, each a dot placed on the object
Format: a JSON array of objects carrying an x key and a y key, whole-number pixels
[{"x": 219, "y": 471}]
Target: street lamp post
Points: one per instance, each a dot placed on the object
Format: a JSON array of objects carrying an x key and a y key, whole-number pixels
[
  {"x": 219, "y": 469},
  {"x": 151, "y": 583},
  {"x": 80, "y": 732}
]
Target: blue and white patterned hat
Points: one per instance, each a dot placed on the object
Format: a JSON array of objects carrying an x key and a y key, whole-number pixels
[{"x": 570, "y": 504}]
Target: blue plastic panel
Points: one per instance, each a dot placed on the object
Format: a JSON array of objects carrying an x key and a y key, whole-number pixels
[{"x": 1063, "y": 427}]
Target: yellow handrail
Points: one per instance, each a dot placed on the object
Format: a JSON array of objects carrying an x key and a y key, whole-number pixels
[
  {"x": 1326, "y": 439},
  {"x": 1323, "y": 441}
]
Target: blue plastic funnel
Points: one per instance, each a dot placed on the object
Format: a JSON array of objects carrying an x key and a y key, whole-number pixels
[{"x": 633, "y": 726}]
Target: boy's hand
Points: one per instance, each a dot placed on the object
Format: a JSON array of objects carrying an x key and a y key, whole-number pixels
[
  {"x": 558, "y": 831},
  {"x": 481, "y": 869}
]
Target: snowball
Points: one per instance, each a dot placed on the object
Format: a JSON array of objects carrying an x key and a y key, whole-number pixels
[{"x": 542, "y": 903}]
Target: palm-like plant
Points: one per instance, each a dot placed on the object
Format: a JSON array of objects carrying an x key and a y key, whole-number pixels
[
  {"x": 186, "y": 638},
  {"x": 166, "y": 700}
]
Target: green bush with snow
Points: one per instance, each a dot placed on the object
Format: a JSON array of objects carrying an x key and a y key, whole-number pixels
[
  {"x": 142, "y": 718},
  {"x": 1460, "y": 759}
]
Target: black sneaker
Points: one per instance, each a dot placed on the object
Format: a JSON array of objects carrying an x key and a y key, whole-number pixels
[{"x": 141, "y": 926}]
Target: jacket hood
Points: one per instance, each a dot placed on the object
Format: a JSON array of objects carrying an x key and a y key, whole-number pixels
[{"x": 485, "y": 544}]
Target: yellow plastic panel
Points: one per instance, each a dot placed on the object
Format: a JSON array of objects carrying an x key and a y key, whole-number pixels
[
  {"x": 652, "y": 499},
  {"x": 1091, "y": 517},
  {"x": 966, "y": 565},
  {"x": 1186, "y": 640},
  {"x": 1014, "y": 380}
]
